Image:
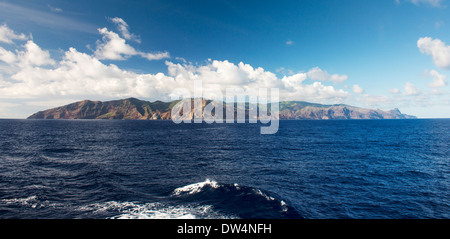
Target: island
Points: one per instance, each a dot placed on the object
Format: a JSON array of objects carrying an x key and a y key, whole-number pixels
[{"x": 136, "y": 109}]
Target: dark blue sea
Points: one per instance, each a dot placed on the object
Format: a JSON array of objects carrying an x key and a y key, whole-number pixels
[{"x": 158, "y": 169}]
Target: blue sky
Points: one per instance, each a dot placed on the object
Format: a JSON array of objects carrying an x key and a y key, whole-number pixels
[{"x": 378, "y": 54}]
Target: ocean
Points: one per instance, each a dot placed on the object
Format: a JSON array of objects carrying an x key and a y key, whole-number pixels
[{"x": 361, "y": 169}]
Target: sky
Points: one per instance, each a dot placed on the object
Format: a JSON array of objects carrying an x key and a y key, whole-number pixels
[{"x": 376, "y": 54}]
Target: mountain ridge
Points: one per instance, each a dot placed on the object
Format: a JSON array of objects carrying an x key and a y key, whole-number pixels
[{"x": 136, "y": 109}]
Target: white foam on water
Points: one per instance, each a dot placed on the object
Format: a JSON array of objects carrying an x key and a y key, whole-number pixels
[
  {"x": 37, "y": 186},
  {"x": 194, "y": 188},
  {"x": 283, "y": 204},
  {"x": 31, "y": 201},
  {"x": 131, "y": 210},
  {"x": 260, "y": 193}
]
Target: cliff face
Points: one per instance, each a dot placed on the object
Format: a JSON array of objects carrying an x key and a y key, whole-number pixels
[
  {"x": 119, "y": 109},
  {"x": 143, "y": 110}
]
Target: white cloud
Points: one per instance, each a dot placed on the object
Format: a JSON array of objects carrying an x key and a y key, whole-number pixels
[
  {"x": 7, "y": 56},
  {"x": 294, "y": 80},
  {"x": 54, "y": 9},
  {"x": 284, "y": 71},
  {"x": 321, "y": 75},
  {"x": 79, "y": 75},
  {"x": 224, "y": 74},
  {"x": 76, "y": 74},
  {"x": 34, "y": 56},
  {"x": 154, "y": 56},
  {"x": 411, "y": 90},
  {"x": 181, "y": 59},
  {"x": 7, "y": 35},
  {"x": 358, "y": 89},
  {"x": 123, "y": 29},
  {"x": 439, "y": 80},
  {"x": 289, "y": 43},
  {"x": 439, "y": 52},
  {"x": 433, "y": 3},
  {"x": 113, "y": 47},
  {"x": 31, "y": 55}
]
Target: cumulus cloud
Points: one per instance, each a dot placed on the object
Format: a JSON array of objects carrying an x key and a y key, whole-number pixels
[
  {"x": 439, "y": 52},
  {"x": 8, "y": 36},
  {"x": 410, "y": 89},
  {"x": 31, "y": 55},
  {"x": 76, "y": 74},
  {"x": 358, "y": 89},
  {"x": 81, "y": 74},
  {"x": 123, "y": 29},
  {"x": 439, "y": 80},
  {"x": 114, "y": 47},
  {"x": 7, "y": 56},
  {"x": 224, "y": 74},
  {"x": 321, "y": 75}
]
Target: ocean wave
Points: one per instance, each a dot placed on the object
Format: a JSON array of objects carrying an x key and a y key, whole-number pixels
[
  {"x": 203, "y": 200},
  {"x": 242, "y": 201}
]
